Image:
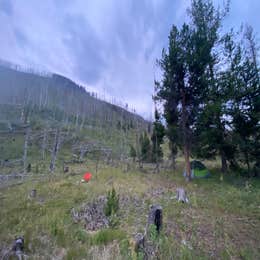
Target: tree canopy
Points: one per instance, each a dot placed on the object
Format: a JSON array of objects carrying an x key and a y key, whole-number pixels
[{"x": 210, "y": 89}]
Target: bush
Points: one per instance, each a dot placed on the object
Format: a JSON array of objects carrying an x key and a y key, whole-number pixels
[
  {"x": 81, "y": 236},
  {"x": 112, "y": 205}
]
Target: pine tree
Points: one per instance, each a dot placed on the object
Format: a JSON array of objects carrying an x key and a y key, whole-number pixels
[
  {"x": 245, "y": 108},
  {"x": 157, "y": 138},
  {"x": 145, "y": 148},
  {"x": 213, "y": 127},
  {"x": 132, "y": 152},
  {"x": 187, "y": 69}
]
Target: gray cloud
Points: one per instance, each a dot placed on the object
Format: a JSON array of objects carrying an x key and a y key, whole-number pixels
[
  {"x": 6, "y": 7},
  {"x": 85, "y": 47},
  {"x": 21, "y": 38},
  {"x": 108, "y": 45}
]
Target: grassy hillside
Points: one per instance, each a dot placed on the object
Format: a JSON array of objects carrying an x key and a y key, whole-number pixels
[{"x": 220, "y": 222}]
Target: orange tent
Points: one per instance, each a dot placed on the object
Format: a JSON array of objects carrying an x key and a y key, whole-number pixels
[{"x": 87, "y": 176}]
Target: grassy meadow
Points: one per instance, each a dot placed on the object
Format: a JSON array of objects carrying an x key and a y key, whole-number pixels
[{"x": 221, "y": 221}]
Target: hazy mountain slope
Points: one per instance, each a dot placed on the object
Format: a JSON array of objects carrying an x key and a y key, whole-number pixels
[
  {"x": 45, "y": 103},
  {"x": 55, "y": 92}
]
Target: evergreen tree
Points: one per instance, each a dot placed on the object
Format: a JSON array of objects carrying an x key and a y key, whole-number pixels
[
  {"x": 187, "y": 69},
  {"x": 245, "y": 109},
  {"x": 228, "y": 124},
  {"x": 157, "y": 138},
  {"x": 213, "y": 127},
  {"x": 132, "y": 152},
  {"x": 145, "y": 148}
]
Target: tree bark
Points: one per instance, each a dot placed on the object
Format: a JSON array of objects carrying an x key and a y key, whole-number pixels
[
  {"x": 187, "y": 162},
  {"x": 223, "y": 162},
  {"x": 55, "y": 150},
  {"x": 83, "y": 151},
  {"x": 185, "y": 130},
  {"x": 25, "y": 149},
  {"x": 247, "y": 161},
  {"x": 44, "y": 143}
]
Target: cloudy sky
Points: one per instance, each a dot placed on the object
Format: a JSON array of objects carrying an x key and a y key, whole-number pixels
[{"x": 110, "y": 46}]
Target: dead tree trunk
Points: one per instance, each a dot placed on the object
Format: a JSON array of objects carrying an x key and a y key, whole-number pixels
[
  {"x": 77, "y": 120},
  {"x": 82, "y": 123},
  {"x": 223, "y": 163},
  {"x": 185, "y": 129},
  {"x": 83, "y": 151},
  {"x": 155, "y": 218},
  {"x": 25, "y": 149},
  {"x": 44, "y": 144},
  {"x": 55, "y": 150},
  {"x": 187, "y": 162}
]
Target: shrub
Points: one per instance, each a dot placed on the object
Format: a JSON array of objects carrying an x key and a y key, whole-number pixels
[
  {"x": 112, "y": 205},
  {"x": 81, "y": 236}
]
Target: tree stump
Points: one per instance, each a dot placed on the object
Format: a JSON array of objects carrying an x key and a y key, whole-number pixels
[
  {"x": 139, "y": 242},
  {"x": 65, "y": 168},
  {"x": 18, "y": 247},
  {"x": 33, "y": 193},
  {"x": 29, "y": 167},
  {"x": 181, "y": 195},
  {"x": 155, "y": 217}
]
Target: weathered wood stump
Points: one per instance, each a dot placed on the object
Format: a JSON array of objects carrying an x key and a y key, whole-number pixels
[
  {"x": 18, "y": 247},
  {"x": 139, "y": 242},
  {"x": 65, "y": 168},
  {"x": 29, "y": 167},
  {"x": 75, "y": 215},
  {"x": 33, "y": 193},
  {"x": 181, "y": 195},
  {"x": 155, "y": 217}
]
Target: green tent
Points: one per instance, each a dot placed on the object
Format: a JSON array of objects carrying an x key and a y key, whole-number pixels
[{"x": 198, "y": 170}]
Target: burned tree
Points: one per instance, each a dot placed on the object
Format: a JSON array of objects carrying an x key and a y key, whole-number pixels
[
  {"x": 44, "y": 144},
  {"x": 25, "y": 149},
  {"x": 55, "y": 149},
  {"x": 155, "y": 217}
]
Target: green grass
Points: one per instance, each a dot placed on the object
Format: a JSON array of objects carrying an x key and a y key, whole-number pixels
[{"x": 222, "y": 220}]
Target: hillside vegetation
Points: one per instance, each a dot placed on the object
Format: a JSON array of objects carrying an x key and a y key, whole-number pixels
[{"x": 38, "y": 112}]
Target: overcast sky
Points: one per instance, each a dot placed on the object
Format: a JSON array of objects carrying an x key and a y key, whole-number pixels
[{"x": 108, "y": 45}]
